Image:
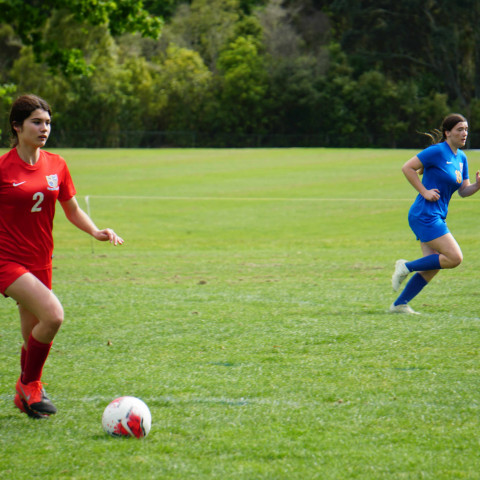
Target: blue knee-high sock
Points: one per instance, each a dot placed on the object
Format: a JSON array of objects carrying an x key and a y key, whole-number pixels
[
  {"x": 430, "y": 262},
  {"x": 411, "y": 290}
]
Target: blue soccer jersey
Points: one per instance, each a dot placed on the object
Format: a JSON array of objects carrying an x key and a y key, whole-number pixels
[{"x": 444, "y": 171}]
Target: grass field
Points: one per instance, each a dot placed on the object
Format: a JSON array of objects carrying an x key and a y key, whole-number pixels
[{"x": 247, "y": 308}]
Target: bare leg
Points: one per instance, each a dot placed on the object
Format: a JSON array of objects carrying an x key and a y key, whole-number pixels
[
  {"x": 450, "y": 253},
  {"x": 41, "y": 313}
]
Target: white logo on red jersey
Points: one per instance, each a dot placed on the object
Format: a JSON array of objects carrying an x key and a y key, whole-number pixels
[
  {"x": 52, "y": 181},
  {"x": 15, "y": 184}
]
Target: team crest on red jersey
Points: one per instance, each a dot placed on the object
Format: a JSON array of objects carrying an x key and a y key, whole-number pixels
[{"x": 52, "y": 181}]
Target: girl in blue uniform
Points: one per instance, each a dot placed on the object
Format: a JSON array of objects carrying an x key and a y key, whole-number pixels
[{"x": 445, "y": 170}]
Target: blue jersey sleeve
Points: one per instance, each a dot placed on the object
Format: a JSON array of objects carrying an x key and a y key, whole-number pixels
[
  {"x": 464, "y": 165},
  {"x": 429, "y": 155}
]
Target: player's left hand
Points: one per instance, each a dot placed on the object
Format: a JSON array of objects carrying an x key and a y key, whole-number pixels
[{"x": 108, "y": 235}]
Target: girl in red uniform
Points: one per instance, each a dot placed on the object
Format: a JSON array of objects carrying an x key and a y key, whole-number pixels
[{"x": 31, "y": 181}]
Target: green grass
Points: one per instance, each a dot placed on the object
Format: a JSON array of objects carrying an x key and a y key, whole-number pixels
[{"x": 247, "y": 308}]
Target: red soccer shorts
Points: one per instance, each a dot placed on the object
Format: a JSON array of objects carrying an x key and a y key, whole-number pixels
[{"x": 10, "y": 271}]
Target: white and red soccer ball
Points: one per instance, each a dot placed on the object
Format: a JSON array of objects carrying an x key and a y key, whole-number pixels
[{"x": 127, "y": 417}]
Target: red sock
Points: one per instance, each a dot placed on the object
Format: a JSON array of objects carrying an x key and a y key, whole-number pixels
[
  {"x": 23, "y": 357},
  {"x": 36, "y": 357}
]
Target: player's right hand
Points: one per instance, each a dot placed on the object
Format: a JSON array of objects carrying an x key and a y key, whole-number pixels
[{"x": 432, "y": 195}]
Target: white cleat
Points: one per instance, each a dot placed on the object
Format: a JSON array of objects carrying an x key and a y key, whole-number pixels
[
  {"x": 400, "y": 274},
  {"x": 403, "y": 308}
]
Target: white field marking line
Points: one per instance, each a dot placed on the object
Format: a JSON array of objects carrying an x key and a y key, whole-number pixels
[
  {"x": 229, "y": 402},
  {"x": 242, "y": 199}
]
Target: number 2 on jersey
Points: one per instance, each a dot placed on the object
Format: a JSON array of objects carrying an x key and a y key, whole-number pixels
[{"x": 38, "y": 199}]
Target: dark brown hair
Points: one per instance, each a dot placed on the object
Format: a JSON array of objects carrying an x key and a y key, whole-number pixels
[
  {"x": 21, "y": 109},
  {"x": 449, "y": 122}
]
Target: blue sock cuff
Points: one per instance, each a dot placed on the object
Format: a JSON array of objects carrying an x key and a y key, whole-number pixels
[{"x": 430, "y": 262}]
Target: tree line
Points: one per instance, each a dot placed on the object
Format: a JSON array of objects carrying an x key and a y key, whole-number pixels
[{"x": 342, "y": 73}]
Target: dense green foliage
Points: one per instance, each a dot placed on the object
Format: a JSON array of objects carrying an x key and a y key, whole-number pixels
[
  {"x": 28, "y": 20},
  {"x": 305, "y": 72},
  {"x": 247, "y": 307}
]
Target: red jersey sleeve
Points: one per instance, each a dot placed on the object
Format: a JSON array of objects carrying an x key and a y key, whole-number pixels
[{"x": 67, "y": 188}]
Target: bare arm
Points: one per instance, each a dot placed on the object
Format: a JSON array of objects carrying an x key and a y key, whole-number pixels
[
  {"x": 411, "y": 170},
  {"x": 468, "y": 188},
  {"x": 82, "y": 221}
]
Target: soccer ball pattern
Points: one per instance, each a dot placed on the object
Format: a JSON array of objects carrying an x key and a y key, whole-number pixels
[{"x": 127, "y": 417}]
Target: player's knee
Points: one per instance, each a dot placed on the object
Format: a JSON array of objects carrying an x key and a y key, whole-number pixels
[
  {"x": 54, "y": 318},
  {"x": 456, "y": 259}
]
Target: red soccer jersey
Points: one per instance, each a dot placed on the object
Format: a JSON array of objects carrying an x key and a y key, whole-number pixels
[{"x": 28, "y": 194}]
